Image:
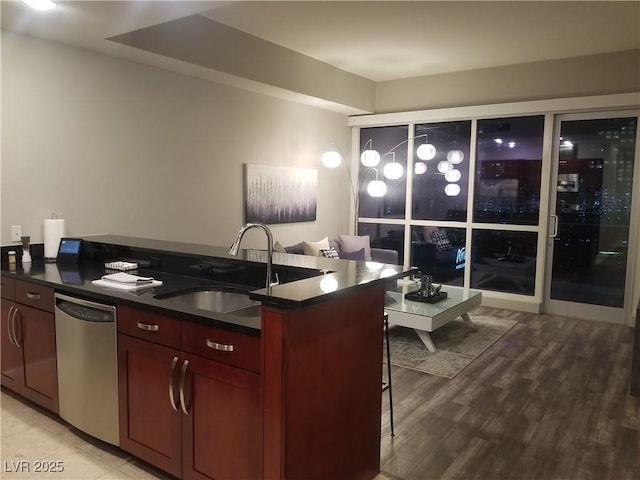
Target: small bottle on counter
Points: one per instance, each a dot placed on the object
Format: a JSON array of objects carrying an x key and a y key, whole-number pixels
[
  {"x": 12, "y": 260},
  {"x": 26, "y": 252}
]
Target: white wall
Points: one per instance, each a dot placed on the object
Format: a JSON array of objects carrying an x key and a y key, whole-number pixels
[
  {"x": 616, "y": 72},
  {"x": 117, "y": 147}
]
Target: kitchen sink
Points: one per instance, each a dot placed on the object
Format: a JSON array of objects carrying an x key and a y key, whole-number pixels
[{"x": 214, "y": 298}]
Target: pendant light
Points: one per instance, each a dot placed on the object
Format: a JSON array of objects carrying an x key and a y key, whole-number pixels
[
  {"x": 376, "y": 188},
  {"x": 455, "y": 157},
  {"x": 444, "y": 166},
  {"x": 393, "y": 170},
  {"x": 420, "y": 168},
  {"x": 426, "y": 151},
  {"x": 331, "y": 158},
  {"x": 453, "y": 175},
  {"x": 452, "y": 189},
  {"x": 369, "y": 157}
]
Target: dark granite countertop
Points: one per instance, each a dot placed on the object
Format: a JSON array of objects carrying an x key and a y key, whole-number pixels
[{"x": 182, "y": 266}]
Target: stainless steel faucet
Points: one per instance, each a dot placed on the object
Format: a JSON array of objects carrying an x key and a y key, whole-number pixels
[{"x": 236, "y": 246}]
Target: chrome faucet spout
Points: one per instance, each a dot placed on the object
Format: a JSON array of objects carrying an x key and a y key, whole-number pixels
[{"x": 235, "y": 247}]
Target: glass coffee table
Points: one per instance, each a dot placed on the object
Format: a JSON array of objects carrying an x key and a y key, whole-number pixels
[{"x": 426, "y": 317}]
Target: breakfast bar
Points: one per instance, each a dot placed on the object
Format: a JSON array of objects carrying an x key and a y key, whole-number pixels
[{"x": 289, "y": 389}]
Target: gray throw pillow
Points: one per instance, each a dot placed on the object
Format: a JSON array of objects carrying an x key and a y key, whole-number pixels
[
  {"x": 277, "y": 247},
  {"x": 353, "y": 243},
  {"x": 358, "y": 255},
  {"x": 298, "y": 249}
]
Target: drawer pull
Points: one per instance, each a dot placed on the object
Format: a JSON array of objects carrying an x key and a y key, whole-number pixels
[
  {"x": 33, "y": 296},
  {"x": 149, "y": 327},
  {"x": 219, "y": 346}
]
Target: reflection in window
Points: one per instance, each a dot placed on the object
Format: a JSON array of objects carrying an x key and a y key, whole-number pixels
[
  {"x": 508, "y": 170},
  {"x": 441, "y": 176},
  {"x": 385, "y": 236},
  {"x": 390, "y": 143},
  {"x": 439, "y": 252},
  {"x": 593, "y": 208},
  {"x": 504, "y": 261}
]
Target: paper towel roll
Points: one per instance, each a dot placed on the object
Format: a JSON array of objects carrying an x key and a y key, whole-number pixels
[{"x": 53, "y": 232}]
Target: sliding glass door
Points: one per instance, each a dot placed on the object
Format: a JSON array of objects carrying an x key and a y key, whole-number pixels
[{"x": 593, "y": 215}]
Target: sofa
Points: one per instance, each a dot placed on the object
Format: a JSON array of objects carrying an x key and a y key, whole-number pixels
[{"x": 347, "y": 247}]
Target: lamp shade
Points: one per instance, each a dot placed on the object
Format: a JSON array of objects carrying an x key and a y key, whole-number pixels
[
  {"x": 444, "y": 166},
  {"x": 370, "y": 158},
  {"x": 377, "y": 188},
  {"x": 452, "y": 189},
  {"x": 420, "y": 168},
  {"x": 331, "y": 159},
  {"x": 453, "y": 175},
  {"x": 393, "y": 170},
  {"x": 328, "y": 284},
  {"x": 426, "y": 151},
  {"x": 455, "y": 156}
]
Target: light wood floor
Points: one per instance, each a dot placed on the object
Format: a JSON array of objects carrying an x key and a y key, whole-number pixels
[{"x": 548, "y": 401}]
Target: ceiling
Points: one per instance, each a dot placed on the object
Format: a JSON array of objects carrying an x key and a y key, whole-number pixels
[{"x": 376, "y": 40}]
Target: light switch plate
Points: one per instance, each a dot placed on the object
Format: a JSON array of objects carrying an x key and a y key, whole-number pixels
[{"x": 16, "y": 233}]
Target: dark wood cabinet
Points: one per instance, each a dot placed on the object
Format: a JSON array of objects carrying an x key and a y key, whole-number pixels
[
  {"x": 12, "y": 371},
  {"x": 150, "y": 423},
  {"x": 222, "y": 427},
  {"x": 29, "y": 364},
  {"x": 191, "y": 416}
]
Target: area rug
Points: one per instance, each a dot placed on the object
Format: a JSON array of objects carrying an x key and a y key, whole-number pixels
[{"x": 457, "y": 345}]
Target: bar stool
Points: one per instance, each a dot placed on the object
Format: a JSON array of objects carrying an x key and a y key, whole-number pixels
[{"x": 387, "y": 385}]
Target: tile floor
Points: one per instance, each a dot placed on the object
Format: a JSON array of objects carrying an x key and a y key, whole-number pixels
[{"x": 31, "y": 435}]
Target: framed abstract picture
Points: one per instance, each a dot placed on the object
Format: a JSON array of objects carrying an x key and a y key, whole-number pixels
[{"x": 280, "y": 194}]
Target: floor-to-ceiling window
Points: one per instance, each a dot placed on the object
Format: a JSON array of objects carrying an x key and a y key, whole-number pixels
[
  {"x": 507, "y": 192},
  {"x": 423, "y": 205},
  {"x": 466, "y": 199}
]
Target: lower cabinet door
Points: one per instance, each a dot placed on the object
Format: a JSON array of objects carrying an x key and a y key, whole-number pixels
[
  {"x": 11, "y": 362},
  {"x": 222, "y": 429},
  {"x": 36, "y": 335},
  {"x": 150, "y": 420}
]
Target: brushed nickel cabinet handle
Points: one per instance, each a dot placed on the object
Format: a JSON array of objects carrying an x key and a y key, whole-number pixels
[
  {"x": 16, "y": 312},
  {"x": 10, "y": 325},
  {"x": 33, "y": 296},
  {"x": 149, "y": 327},
  {"x": 183, "y": 376},
  {"x": 172, "y": 371},
  {"x": 221, "y": 347}
]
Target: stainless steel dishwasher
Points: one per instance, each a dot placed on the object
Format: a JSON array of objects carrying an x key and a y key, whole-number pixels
[{"x": 87, "y": 366}]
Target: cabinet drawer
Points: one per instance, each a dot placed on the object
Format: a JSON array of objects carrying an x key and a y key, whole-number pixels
[
  {"x": 149, "y": 326},
  {"x": 225, "y": 346},
  {"x": 8, "y": 288},
  {"x": 34, "y": 295}
]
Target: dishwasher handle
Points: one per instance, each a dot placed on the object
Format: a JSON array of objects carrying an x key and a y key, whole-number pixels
[
  {"x": 84, "y": 310},
  {"x": 86, "y": 303}
]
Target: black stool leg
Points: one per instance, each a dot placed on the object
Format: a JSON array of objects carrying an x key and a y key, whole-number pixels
[{"x": 386, "y": 333}]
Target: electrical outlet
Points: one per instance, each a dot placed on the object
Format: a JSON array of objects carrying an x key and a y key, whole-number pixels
[{"x": 16, "y": 233}]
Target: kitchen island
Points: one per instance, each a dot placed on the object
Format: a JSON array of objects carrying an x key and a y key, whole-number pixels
[{"x": 315, "y": 387}]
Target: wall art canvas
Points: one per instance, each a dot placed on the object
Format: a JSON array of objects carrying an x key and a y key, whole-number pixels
[{"x": 280, "y": 194}]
